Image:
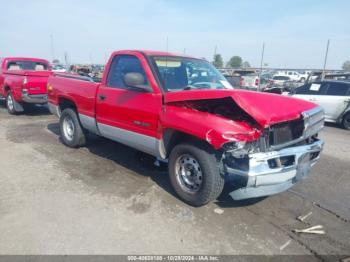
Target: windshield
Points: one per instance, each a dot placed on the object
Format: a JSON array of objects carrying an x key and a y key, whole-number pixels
[
  {"x": 26, "y": 65},
  {"x": 179, "y": 73}
]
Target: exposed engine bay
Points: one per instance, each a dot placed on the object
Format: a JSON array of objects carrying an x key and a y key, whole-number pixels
[{"x": 224, "y": 107}]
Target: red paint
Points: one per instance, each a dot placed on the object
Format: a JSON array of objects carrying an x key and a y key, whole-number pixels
[
  {"x": 266, "y": 109},
  {"x": 122, "y": 107},
  {"x": 17, "y": 80}
]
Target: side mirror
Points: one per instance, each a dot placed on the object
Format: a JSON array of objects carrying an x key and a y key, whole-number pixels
[{"x": 136, "y": 80}]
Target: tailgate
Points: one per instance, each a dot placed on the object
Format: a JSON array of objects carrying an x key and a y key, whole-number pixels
[
  {"x": 36, "y": 83},
  {"x": 249, "y": 81}
]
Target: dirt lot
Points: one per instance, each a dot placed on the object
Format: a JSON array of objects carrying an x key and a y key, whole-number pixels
[{"x": 109, "y": 199}]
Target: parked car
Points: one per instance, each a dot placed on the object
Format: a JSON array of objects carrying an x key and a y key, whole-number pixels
[
  {"x": 332, "y": 96},
  {"x": 317, "y": 76},
  {"x": 234, "y": 76},
  {"x": 249, "y": 82},
  {"x": 181, "y": 109},
  {"x": 23, "y": 81},
  {"x": 304, "y": 75},
  {"x": 286, "y": 87},
  {"x": 278, "y": 80},
  {"x": 293, "y": 75},
  {"x": 58, "y": 68}
]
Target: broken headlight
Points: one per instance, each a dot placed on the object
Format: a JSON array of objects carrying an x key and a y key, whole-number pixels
[{"x": 240, "y": 149}]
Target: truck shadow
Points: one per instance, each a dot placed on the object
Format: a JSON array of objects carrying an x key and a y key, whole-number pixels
[
  {"x": 143, "y": 165},
  {"x": 36, "y": 110},
  {"x": 140, "y": 163},
  {"x": 30, "y": 110}
]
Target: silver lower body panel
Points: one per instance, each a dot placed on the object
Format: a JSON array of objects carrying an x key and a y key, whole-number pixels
[{"x": 34, "y": 99}]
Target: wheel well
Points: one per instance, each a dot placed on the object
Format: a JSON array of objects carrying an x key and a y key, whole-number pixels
[
  {"x": 66, "y": 103},
  {"x": 173, "y": 137}
]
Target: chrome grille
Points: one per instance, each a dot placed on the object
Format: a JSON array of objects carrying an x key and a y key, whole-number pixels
[
  {"x": 285, "y": 132},
  {"x": 314, "y": 121},
  {"x": 288, "y": 133}
]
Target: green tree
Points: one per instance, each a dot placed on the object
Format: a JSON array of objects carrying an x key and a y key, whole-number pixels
[
  {"x": 346, "y": 65},
  {"x": 218, "y": 62},
  {"x": 235, "y": 62},
  {"x": 245, "y": 64}
]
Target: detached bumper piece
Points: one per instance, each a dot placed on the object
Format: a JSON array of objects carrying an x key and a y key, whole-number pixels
[
  {"x": 34, "y": 99},
  {"x": 276, "y": 171}
]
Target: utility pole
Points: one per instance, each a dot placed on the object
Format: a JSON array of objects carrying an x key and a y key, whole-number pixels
[
  {"x": 66, "y": 59},
  {"x": 52, "y": 48},
  {"x": 261, "y": 65},
  {"x": 325, "y": 62}
]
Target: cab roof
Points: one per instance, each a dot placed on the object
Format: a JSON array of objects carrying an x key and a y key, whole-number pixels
[
  {"x": 156, "y": 53},
  {"x": 25, "y": 59}
]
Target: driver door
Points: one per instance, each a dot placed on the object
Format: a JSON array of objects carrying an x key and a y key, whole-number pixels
[{"x": 127, "y": 115}]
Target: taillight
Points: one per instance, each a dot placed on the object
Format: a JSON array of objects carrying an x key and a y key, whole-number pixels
[
  {"x": 25, "y": 81},
  {"x": 257, "y": 82},
  {"x": 241, "y": 81}
]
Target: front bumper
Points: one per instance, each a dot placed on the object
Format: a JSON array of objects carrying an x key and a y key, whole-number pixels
[
  {"x": 274, "y": 172},
  {"x": 34, "y": 99}
]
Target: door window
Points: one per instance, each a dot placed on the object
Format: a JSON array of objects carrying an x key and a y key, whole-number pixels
[
  {"x": 312, "y": 89},
  {"x": 338, "y": 89},
  {"x": 121, "y": 65}
]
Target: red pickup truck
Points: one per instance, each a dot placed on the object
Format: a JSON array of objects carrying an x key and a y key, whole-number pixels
[
  {"x": 182, "y": 110},
  {"x": 23, "y": 80}
]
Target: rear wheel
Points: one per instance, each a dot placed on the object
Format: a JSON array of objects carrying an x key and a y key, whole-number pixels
[
  {"x": 10, "y": 104},
  {"x": 194, "y": 173},
  {"x": 72, "y": 133},
  {"x": 346, "y": 121}
]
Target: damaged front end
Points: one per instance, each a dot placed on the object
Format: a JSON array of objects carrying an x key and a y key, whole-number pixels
[
  {"x": 267, "y": 142},
  {"x": 282, "y": 156}
]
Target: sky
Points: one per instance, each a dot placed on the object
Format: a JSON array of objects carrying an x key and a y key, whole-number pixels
[{"x": 295, "y": 32}]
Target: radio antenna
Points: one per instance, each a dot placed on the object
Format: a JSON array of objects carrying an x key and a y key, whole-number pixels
[{"x": 166, "y": 62}]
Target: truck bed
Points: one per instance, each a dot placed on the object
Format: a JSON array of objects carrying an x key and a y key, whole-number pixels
[{"x": 84, "y": 91}]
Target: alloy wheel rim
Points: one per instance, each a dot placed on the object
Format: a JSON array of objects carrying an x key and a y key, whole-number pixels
[{"x": 188, "y": 173}]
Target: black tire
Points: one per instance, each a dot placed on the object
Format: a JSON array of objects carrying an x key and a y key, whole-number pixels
[
  {"x": 346, "y": 121},
  {"x": 212, "y": 181},
  {"x": 302, "y": 79},
  {"x": 75, "y": 138},
  {"x": 10, "y": 104}
]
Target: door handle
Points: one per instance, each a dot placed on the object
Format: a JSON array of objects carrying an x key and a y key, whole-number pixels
[
  {"x": 312, "y": 99},
  {"x": 102, "y": 97}
]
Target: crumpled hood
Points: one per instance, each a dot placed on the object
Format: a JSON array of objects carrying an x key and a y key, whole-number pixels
[{"x": 266, "y": 109}]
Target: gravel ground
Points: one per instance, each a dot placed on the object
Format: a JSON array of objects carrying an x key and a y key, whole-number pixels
[{"x": 109, "y": 199}]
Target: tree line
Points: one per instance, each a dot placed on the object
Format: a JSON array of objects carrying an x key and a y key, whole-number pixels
[
  {"x": 237, "y": 62},
  {"x": 234, "y": 62}
]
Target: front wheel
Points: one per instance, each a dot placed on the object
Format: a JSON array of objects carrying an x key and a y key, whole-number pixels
[
  {"x": 72, "y": 133},
  {"x": 346, "y": 121},
  {"x": 195, "y": 174}
]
